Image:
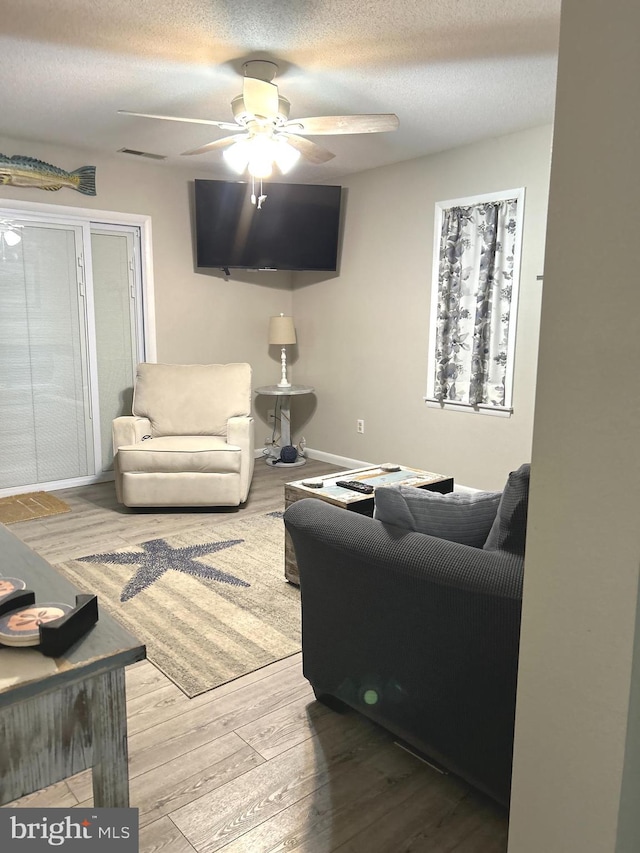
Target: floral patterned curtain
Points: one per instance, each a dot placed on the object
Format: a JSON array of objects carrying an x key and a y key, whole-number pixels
[{"x": 474, "y": 300}]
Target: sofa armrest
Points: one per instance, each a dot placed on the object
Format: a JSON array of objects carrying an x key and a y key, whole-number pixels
[
  {"x": 418, "y": 633},
  {"x": 241, "y": 432},
  {"x": 390, "y": 552},
  {"x": 129, "y": 430}
]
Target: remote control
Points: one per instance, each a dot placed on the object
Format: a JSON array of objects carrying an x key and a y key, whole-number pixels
[{"x": 355, "y": 486}]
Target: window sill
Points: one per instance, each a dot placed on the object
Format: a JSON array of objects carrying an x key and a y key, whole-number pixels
[{"x": 482, "y": 409}]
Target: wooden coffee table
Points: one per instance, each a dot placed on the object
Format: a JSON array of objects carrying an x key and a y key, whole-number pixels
[{"x": 355, "y": 501}]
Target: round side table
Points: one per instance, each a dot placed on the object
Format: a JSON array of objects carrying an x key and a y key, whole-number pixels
[{"x": 285, "y": 394}]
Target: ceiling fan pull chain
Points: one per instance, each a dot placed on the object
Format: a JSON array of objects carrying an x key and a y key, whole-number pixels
[
  {"x": 262, "y": 197},
  {"x": 253, "y": 190}
]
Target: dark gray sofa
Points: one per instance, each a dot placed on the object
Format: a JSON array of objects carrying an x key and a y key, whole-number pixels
[{"x": 418, "y": 633}]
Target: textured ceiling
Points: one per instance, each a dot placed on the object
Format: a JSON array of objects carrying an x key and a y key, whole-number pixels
[{"x": 454, "y": 71}]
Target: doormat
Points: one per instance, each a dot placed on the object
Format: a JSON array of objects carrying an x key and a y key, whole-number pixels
[
  {"x": 30, "y": 505},
  {"x": 210, "y": 603}
]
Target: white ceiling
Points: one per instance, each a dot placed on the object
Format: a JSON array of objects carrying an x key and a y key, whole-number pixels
[{"x": 454, "y": 71}]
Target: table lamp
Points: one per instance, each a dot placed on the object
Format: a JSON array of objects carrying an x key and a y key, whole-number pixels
[{"x": 282, "y": 332}]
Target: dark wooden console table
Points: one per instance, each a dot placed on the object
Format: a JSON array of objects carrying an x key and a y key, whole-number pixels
[{"x": 60, "y": 716}]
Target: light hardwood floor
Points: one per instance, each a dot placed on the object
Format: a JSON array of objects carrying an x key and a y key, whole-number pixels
[{"x": 256, "y": 765}]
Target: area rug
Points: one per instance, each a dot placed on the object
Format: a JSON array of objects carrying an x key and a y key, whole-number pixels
[
  {"x": 211, "y": 604},
  {"x": 30, "y": 505}
]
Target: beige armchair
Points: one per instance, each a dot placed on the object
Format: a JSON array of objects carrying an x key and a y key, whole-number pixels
[{"x": 190, "y": 440}]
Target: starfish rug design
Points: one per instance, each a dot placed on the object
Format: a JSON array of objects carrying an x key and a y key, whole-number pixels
[
  {"x": 159, "y": 557},
  {"x": 209, "y": 601}
]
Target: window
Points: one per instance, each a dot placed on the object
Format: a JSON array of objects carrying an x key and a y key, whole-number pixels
[{"x": 474, "y": 302}]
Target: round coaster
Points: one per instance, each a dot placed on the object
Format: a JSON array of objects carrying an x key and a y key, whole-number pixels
[
  {"x": 9, "y": 585},
  {"x": 22, "y": 627}
]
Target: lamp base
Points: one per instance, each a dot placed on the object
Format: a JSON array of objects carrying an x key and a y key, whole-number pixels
[
  {"x": 276, "y": 463},
  {"x": 284, "y": 382}
]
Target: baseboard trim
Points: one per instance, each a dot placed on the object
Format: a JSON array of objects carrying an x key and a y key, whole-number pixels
[
  {"x": 56, "y": 485},
  {"x": 333, "y": 459},
  {"x": 347, "y": 462}
]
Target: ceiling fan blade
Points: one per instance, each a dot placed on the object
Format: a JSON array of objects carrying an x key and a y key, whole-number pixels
[
  {"x": 225, "y": 125},
  {"x": 217, "y": 144},
  {"x": 260, "y": 98},
  {"x": 311, "y": 152},
  {"x": 318, "y": 125}
]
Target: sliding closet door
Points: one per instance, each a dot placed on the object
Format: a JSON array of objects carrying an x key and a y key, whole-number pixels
[
  {"x": 116, "y": 295},
  {"x": 45, "y": 411}
]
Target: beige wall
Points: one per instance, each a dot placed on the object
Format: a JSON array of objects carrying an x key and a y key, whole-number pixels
[
  {"x": 200, "y": 317},
  {"x": 363, "y": 333},
  {"x": 576, "y": 784}
]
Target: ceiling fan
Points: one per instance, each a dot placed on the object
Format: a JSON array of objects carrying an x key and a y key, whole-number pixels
[{"x": 264, "y": 135}]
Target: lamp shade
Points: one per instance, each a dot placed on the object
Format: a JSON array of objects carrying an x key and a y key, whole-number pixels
[{"x": 281, "y": 330}]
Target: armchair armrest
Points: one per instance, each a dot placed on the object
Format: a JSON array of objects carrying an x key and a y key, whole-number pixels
[
  {"x": 420, "y": 634},
  {"x": 240, "y": 431},
  {"x": 126, "y": 430},
  {"x": 129, "y": 430}
]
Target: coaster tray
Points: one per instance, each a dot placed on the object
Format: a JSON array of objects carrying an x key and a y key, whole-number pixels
[{"x": 58, "y": 635}]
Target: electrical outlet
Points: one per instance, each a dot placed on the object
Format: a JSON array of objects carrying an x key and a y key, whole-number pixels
[{"x": 360, "y": 426}]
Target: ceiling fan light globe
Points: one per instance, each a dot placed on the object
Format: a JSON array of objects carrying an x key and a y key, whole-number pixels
[
  {"x": 260, "y": 167},
  {"x": 237, "y": 156},
  {"x": 285, "y": 156},
  {"x": 261, "y": 156}
]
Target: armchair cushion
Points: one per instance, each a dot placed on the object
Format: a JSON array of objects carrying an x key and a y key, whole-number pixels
[
  {"x": 164, "y": 393},
  {"x": 508, "y": 532},
  {"x": 180, "y": 453},
  {"x": 460, "y": 517}
]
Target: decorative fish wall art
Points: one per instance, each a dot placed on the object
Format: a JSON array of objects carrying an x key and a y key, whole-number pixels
[{"x": 19, "y": 171}]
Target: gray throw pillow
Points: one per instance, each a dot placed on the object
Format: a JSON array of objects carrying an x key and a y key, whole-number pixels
[
  {"x": 458, "y": 516},
  {"x": 508, "y": 532}
]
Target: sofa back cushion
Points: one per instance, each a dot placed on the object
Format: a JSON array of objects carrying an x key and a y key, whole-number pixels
[
  {"x": 191, "y": 399},
  {"x": 509, "y": 529},
  {"x": 458, "y": 516}
]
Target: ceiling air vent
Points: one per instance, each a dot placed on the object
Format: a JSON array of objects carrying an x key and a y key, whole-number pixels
[{"x": 142, "y": 154}]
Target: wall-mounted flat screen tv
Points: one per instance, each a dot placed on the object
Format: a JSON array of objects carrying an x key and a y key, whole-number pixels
[{"x": 296, "y": 228}]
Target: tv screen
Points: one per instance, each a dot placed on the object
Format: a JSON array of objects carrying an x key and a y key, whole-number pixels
[{"x": 296, "y": 227}]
